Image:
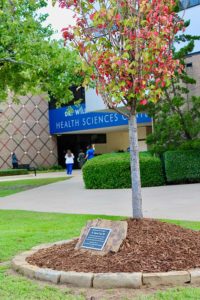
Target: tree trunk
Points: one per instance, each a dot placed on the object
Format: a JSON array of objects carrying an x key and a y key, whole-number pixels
[{"x": 135, "y": 169}]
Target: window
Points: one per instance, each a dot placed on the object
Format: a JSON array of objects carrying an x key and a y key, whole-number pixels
[{"x": 189, "y": 65}]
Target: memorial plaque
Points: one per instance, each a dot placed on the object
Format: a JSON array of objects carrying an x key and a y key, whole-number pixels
[
  {"x": 102, "y": 236},
  {"x": 96, "y": 238}
]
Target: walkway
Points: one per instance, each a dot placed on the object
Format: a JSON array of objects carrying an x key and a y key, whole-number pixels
[{"x": 171, "y": 202}]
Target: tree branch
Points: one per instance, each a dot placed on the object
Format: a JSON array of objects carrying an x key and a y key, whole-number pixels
[
  {"x": 111, "y": 106},
  {"x": 11, "y": 60}
]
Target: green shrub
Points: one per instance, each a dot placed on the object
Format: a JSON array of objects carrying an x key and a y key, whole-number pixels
[
  {"x": 113, "y": 171},
  {"x": 151, "y": 171},
  {"x": 145, "y": 153},
  {"x": 10, "y": 172},
  {"x": 56, "y": 167},
  {"x": 190, "y": 145},
  {"x": 182, "y": 166},
  {"x": 50, "y": 168}
]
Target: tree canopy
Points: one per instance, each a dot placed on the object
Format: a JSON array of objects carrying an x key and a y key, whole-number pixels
[
  {"x": 127, "y": 48},
  {"x": 176, "y": 117},
  {"x": 30, "y": 61}
]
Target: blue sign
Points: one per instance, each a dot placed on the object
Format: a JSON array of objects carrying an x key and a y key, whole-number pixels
[
  {"x": 96, "y": 238},
  {"x": 74, "y": 118}
]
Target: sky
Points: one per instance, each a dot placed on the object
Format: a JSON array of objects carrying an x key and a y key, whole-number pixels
[{"x": 58, "y": 18}]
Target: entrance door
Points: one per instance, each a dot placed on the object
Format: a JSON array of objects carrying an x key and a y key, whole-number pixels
[{"x": 74, "y": 142}]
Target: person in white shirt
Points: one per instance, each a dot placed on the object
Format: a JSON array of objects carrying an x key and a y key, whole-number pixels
[{"x": 69, "y": 161}]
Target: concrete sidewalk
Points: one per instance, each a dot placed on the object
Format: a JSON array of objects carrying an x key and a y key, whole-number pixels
[{"x": 170, "y": 202}]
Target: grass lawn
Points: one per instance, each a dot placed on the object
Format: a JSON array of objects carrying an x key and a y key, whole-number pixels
[
  {"x": 175, "y": 294},
  {"x": 16, "y": 288},
  {"x": 50, "y": 171},
  {"x": 20, "y": 230},
  {"x": 12, "y": 187}
]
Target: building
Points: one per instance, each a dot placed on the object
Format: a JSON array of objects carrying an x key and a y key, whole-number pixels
[
  {"x": 24, "y": 129},
  {"x": 191, "y": 11},
  {"x": 40, "y": 134},
  {"x": 76, "y": 128}
]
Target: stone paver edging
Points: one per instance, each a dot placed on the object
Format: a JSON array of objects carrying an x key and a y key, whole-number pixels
[{"x": 100, "y": 280}]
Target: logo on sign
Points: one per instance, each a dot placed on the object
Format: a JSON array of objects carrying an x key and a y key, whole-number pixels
[{"x": 74, "y": 110}]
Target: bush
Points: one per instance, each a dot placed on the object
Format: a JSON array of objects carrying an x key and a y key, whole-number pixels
[
  {"x": 190, "y": 145},
  {"x": 145, "y": 153},
  {"x": 56, "y": 167},
  {"x": 113, "y": 171},
  {"x": 182, "y": 166},
  {"x": 151, "y": 171},
  {"x": 10, "y": 172},
  {"x": 50, "y": 168}
]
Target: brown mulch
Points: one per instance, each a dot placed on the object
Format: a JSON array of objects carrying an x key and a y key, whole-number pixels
[{"x": 150, "y": 246}]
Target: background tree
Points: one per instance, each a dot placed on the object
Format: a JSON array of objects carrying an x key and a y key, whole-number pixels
[
  {"x": 127, "y": 47},
  {"x": 176, "y": 117},
  {"x": 30, "y": 61}
]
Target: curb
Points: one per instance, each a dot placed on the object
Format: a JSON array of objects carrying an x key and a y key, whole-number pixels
[{"x": 101, "y": 280}]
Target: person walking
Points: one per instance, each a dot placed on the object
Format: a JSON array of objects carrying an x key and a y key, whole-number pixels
[
  {"x": 14, "y": 161},
  {"x": 69, "y": 161},
  {"x": 90, "y": 152},
  {"x": 81, "y": 159}
]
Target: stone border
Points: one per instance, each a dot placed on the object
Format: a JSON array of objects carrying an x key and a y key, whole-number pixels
[{"x": 101, "y": 280}]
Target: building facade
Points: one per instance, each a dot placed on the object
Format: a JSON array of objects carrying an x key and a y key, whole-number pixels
[
  {"x": 40, "y": 134},
  {"x": 24, "y": 129},
  {"x": 76, "y": 128}
]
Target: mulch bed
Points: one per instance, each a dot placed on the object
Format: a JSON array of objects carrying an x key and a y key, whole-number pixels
[{"x": 150, "y": 246}]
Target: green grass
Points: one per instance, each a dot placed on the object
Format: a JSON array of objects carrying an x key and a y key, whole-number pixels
[
  {"x": 21, "y": 230},
  {"x": 50, "y": 171},
  {"x": 15, "y": 186},
  {"x": 17, "y": 288},
  {"x": 175, "y": 294},
  {"x": 186, "y": 224}
]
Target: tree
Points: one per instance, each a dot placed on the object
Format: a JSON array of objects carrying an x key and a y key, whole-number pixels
[
  {"x": 30, "y": 61},
  {"x": 127, "y": 47},
  {"x": 177, "y": 115}
]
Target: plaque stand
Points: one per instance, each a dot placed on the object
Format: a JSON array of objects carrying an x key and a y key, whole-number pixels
[{"x": 100, "y": 236}]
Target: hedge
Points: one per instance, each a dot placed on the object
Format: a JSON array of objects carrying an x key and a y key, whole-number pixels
[
  {"x": 11, "y": 172},
  {"x": 109, "y": 171},
  {"x": 182, "y": 166},
  {"x": 50, "y": 168}
]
